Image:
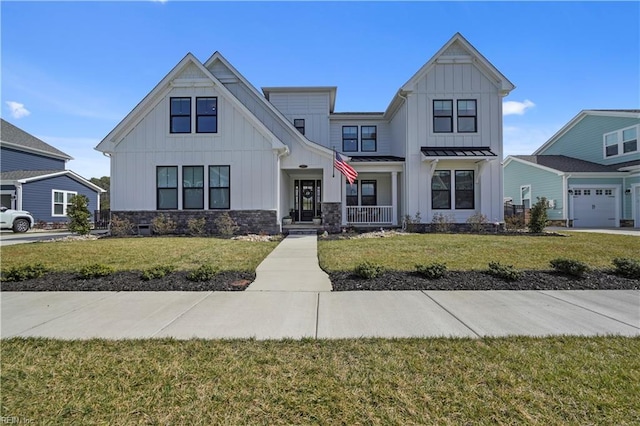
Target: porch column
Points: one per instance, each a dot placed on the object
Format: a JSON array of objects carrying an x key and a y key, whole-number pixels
[
  {"x": 394, "y": 198},
  {"x": 343, "y": 197}
]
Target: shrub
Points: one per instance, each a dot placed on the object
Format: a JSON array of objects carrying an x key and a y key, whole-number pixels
[
  {"x": 197, "y": 227},
  {"x": 120, "y": 227},
  {"x": 25, "y": 272},
  {"x": 627, "y": 267},
  {"x": 442, "y": 222},
  {"x": 95, "y": 270},
  {"x": 432, "y": 271},
  {"x": 477, "y": 222},
  {"x": 226, "y": 226},
  {"x": 513, "y": 223},
  {"x": 569, "y": 266},
  {"x": 203, "y": 273},
  {"x": 79, "y": 215},
  {"x": 506, "y": 272},
  {"x": 156, "y": 272},
  {"x": 163, "y": 225},
  {"x": 538, "y": 216},
  {"x": 368, "y": 270}
]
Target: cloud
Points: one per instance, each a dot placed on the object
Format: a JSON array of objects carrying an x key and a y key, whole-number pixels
[
  {"x": 516, "y": 108},
  {"x": 17, "y": 109}
]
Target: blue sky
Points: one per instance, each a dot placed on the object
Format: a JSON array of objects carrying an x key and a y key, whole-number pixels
[{"x": 72, "y": 70}]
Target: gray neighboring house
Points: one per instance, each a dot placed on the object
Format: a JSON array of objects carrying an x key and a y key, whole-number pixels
[{"x": 33, "y": 177}]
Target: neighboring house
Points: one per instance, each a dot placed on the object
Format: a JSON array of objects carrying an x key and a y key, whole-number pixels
[
  {"x": 205, "y": 141},
  {"x": 589, "y": 171},
  {"x": 33, "y": 177}
]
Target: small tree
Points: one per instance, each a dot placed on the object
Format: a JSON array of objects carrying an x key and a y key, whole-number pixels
[
  {"x": 79, "y": 215},
  {"x": 538, "y": 216}
]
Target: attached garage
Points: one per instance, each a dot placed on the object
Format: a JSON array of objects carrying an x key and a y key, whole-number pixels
[{"x": 595, "y": 207}]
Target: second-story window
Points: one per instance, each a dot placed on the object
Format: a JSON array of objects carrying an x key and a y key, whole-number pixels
[
  {"x": 207, "y": 115},
  {"x": 442, "y": 116},
  {"x": 180, "y": 115},
  {"x": 349, "y": 138},
  {"x": 467, "y": 116},
  {"x": 298, "y": 123},
  {"x": 369, "y": 137}
]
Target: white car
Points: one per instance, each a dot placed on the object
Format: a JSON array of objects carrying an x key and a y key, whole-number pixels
[{"x": 17, "y": 220}]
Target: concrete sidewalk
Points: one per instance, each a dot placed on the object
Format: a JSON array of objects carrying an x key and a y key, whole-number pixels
[
  {"x": 309, "y": 314},
  {"x": 292, "y": 266}
]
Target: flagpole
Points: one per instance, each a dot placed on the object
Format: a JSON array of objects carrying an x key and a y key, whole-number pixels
[{"x": 333, "y": 175}]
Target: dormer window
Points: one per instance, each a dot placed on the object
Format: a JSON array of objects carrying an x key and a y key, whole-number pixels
[{"x": 621, "y": 142}]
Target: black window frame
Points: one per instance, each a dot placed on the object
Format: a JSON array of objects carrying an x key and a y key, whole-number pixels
[
  {"x": 352, "y": 200},
  {"x": 464, "y": 195},
  {"x": 371, "y": 200},
  {"x": 298, "y": 123},
  {"x": 226, "y": 189},
  {"x": 439, "y": 115},
  {"x": 354, "y": 141},
  {"x": 161, "y": 189},
  {"x": 374, "y": 139},
  {"x": 205, "y": 114},
  {"x": 435, "y": 192},
  {"x": 174, "y": 115},
  {"x": 186, "y": 190},
  {"x": 466, "y": 115}
]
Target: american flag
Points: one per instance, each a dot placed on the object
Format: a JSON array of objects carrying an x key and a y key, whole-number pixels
[{"x": 348, "y": 171}]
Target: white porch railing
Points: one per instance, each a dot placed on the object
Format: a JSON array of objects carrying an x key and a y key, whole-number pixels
[{"x": 369, "y": 215}]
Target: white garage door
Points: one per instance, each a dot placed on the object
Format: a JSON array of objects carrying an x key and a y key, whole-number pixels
[{"x": 594, "y": 207}]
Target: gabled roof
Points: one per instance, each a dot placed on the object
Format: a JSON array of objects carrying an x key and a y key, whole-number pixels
[
  {"x": 26, "y": 176},
  {"x": 562, "y": 163},
  {"x": 16, "y": 138},
  {"x": 217, "y": 56},
  {"x": 627, "y": 113},
  {"x": 161, "y": 89}
]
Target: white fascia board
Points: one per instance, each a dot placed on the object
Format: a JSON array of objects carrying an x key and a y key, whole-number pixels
[
  {"x": 217, "y": 56},
  {"x": 529, "y": 163},
  {"x": 358, "y": 117},
  {"x": 36, "y": 151},
  {"x": 305, "y": 89},
  {"x": 632, "y": 169},
  {"x": 69, "y": 173},
  {"x": 597, "y": 175},
  {"x": 387, "y": 167}
]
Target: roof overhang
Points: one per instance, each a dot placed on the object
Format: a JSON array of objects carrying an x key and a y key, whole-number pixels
[
  {"x": 68, "y": 173},
  {"x": 305, "y": 89},
  {"x": 23, "y": 148},
  {"x": 457, "y": 153}
]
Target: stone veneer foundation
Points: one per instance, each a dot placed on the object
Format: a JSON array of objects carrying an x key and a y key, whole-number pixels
[
  {"x": 332, "y": 217},
  {"x": 248, "y": 221}
]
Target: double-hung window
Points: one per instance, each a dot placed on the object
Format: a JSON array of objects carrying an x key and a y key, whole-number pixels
[
  {"x": 620, "y": 142},
  {"x": 352, "y": 193},
  {"x": 167, "y": 187},
  {"x": 442, "y": 116},
  {"x": 219, "y": 187},
  {"x": 467, "y": 116},
  {"x": 180, "y": 115},
  {"x": 368, "y": 197},
  {"x": 630, "y": 140},
  {"x": 298, "y": 123},
  {"x": 193, "y": 187},
  {"x": 441, "y": 190},
  {"x": 369, "y": 137},
  {"x": 60, "y": 202},
  {"x": 349, "y": 138},
  {"x": 462, "y": 186},
  {"x": 464, "y": 199},
  {"x": 207, "y": 115}
]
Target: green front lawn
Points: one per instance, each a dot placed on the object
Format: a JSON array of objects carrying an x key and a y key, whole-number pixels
[
  {"x": 472, "y": 251},
  {"x": 126, "y": 254},
  {"x": 550, "y": 381}
]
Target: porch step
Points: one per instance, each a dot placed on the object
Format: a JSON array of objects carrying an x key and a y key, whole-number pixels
[{"x": 301, "y": 231}]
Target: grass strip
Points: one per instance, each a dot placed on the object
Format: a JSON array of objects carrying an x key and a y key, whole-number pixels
[{"x": 518, "y": 380}]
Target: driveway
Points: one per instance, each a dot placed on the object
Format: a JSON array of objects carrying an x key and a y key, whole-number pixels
[
  {"x": 8, "y": 238},
  {"x": 616, "y": 231}
]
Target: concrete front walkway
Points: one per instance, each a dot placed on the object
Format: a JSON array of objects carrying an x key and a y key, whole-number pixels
[
  {"x": 322, "y": 315},
  {"x": 292, "y": 266}
]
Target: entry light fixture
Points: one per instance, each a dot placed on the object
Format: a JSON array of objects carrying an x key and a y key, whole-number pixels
[
  {"x": 570, "y": 192},
  {"x": 303, "y": 166},
  {"x": 627, "y": 191}
]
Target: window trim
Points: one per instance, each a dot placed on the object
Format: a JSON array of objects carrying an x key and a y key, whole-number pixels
[
  {"x": 158, "y": 188},
  {"x": 357, "y": 196},
  {"x": 620, "y": 142},
  {"x": 228, "y": 188},
  {"x": 433, "y": 110},
  {"x": 522, "y": 199},
  {"x": 475, "y": 116},
  {"x": 375, "y": 192},
  {"x": 456, "y": 190},
  {"x": 172, "y": 115},
  {"x": 198, "y": 115},
  {"x": 185, "y": 189},
  {"x": 448, "y": 190},
  {"x": 296, "y": 124},
  {"x": 453, "y": 190},
  {"x": 349, "y": 139},
  {"x": 66, "y": 198},
  {"x": 374, "y": 139}
]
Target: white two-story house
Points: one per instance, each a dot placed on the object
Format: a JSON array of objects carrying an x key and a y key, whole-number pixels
[{"x": 206, "y": 141}]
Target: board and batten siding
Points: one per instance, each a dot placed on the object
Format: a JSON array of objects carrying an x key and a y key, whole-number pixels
[
  {"x": 238, "y": 144},
  {"x": 398, "y": 132},
  {"x": 585, "y": 140},
  {"x": 312, "y": 107},
  {"x": 37, "y": 196},
  {"x": 11, "y": 159},
  {"x": 544, "y": 183}
]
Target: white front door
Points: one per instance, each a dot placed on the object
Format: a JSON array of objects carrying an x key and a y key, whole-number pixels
[{"x": 594, "y": 208}]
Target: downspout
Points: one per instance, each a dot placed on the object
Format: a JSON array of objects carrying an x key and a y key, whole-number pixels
[{"x": 565, "y": 190}]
